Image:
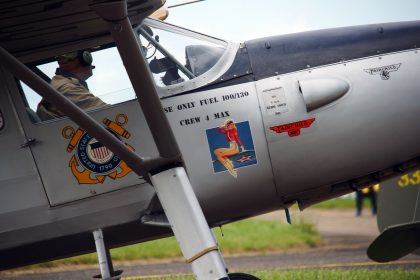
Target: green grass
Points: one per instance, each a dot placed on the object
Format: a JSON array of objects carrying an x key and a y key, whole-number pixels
[
  {"x": 244, "y": 236},
  {"x": 315, "y": 274},
  {"x": 344, "y": 202},
  {"x": 353, "y": 274},
  {"x": 264, "y": 236},
  {"x": 341, "y": 203},
  {"x": 337, "y": 203}
]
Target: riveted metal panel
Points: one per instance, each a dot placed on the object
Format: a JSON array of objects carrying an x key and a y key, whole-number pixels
[
  {"x": 194, "y": 119},
  {"x": 347, "y": 137},
  {"x": 73, "y": 165}
]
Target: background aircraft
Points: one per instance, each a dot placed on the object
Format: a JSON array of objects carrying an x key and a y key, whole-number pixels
[
  {"x": 398, "y": 218},
  {"x": 308, "y": 109}
]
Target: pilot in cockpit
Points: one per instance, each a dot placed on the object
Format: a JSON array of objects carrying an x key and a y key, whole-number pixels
[{"x": 70, "y": 79}]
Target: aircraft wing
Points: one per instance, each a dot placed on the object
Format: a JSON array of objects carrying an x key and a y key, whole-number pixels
[{"x": 27, "y": 25}]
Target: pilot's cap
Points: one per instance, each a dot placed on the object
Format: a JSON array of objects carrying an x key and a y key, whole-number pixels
[{"x": 84, "y": 56}]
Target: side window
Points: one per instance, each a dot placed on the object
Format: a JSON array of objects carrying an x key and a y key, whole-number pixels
[
  {"x": 175, "y": 57},
  {"x": 109, "y": 84}
]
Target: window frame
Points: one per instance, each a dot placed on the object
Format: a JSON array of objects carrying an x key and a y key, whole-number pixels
[{"x": 221, "y": 66}]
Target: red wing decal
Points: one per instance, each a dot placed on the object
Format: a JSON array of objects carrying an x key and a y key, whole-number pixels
[{"x": 293, "y": 129}]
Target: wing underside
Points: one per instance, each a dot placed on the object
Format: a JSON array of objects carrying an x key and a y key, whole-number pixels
[{"x": 26, "y": 26}]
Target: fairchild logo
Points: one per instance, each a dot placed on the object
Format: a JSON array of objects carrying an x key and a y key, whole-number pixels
[{"x": 384, "y": 71}]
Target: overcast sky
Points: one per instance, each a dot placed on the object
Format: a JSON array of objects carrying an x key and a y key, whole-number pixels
[{"x": 241, "y": 20}]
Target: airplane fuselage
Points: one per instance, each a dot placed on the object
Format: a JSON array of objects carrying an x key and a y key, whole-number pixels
[{"x": 316, "y": 115}]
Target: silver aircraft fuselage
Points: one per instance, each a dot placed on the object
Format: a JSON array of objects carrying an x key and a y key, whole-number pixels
[{"x": 319, "y": 114}]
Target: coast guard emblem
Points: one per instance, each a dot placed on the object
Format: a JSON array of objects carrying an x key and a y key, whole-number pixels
[{"x": 92, "y": 162}]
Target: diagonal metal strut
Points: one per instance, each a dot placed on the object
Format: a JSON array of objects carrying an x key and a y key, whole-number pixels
[
  {"x": 148, "y": 98},
  {"x": 139, "y": 165}
]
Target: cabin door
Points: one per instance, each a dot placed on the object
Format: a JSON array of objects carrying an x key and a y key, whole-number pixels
[
  {"x": 20, "y": 185},
  {"x": 72, "y": 164}
]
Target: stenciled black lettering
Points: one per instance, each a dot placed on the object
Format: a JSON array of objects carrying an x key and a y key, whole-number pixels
[
  {"x": 190, "y": 121},
  {"x": 168, "y": 109},
  {"x": 208, "y": 101},
  {"x": 221, "y": 115},
  {"x": 187, "y": 105},
  {"x": 235, "y": 95}
]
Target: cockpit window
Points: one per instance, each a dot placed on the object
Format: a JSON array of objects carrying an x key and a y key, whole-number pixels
[
  {"x": 109, "y": 84},
  {"x": 176, "y": 57}
]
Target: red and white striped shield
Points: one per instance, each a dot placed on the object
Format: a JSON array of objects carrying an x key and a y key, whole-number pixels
[{"x": 99, "y": 151}]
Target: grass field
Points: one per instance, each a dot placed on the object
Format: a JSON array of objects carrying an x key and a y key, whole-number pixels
[
  {"x": 353, "y": 274},
  {"x": 314, "y": 274},
  {"x": 338, "y": 203},
  {"x": 252, "y": 235},
  {"x": 244, "y": 236}
]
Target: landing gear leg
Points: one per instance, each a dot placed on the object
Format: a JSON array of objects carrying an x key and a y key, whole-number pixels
[
  {"x": 189, "y": 225},
  {"x": 104, "y": 258}
]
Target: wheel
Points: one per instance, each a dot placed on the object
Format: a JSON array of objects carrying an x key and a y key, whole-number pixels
[{"x": 242, "y": 276}]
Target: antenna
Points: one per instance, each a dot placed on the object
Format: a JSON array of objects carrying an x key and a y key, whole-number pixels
[
  {"x": 185, "y": 3},
  {"x": 163, "y": 12}
]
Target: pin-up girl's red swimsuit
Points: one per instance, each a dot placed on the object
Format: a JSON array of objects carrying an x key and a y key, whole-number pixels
[
  {"x": 223, "y": 154},
  {"x": 231, "y": 135}
]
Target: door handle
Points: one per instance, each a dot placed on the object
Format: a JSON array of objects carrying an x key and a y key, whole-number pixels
[{"x": 28, "y": 142}]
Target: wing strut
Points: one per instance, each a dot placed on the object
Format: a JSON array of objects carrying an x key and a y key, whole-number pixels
[
  {"x": 139, "y": 165},
  {"x": 171, "y": 183},
  {"x": 166, "y": 172}
]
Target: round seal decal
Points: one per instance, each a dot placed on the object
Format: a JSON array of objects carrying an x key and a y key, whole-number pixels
[{"x": 95, "y": 156}]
